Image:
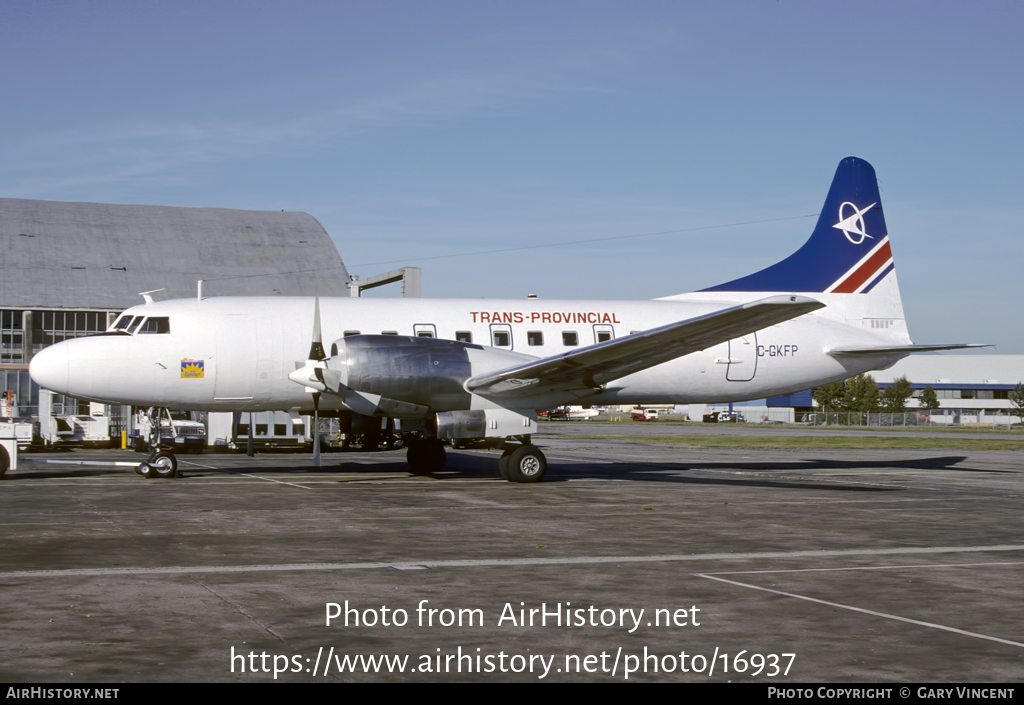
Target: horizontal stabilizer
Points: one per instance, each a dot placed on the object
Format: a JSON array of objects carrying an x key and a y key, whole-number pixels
[
  {"x": 902, "y": 349},
  {"x": 594, "y": 366}
]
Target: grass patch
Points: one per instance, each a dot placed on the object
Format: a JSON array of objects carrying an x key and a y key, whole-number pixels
[
  {"x": 815, "y": 441},
  {"x": 677, "y": 422}
]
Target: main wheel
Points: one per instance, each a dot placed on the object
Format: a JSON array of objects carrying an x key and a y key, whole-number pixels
[
  {"x": 425, "y": 456},
  {"x": 164, "y": 465},
  {"x": 526, "y": 464},
  {"x": 503, "y": 463}
]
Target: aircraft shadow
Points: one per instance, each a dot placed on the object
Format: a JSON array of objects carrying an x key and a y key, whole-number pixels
[{"x": 473, "y": 465}]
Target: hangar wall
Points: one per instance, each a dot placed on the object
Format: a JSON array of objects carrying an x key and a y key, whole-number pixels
[{"x": 68, "y": 267}]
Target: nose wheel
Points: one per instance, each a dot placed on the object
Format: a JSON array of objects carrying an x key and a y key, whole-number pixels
[{"x": 162, "y": 464}]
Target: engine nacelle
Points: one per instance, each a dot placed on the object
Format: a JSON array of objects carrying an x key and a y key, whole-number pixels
[{"x": 427, "y": 372}]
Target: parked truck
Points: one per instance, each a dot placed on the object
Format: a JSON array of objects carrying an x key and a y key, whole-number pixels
[
  {"x": 179, "y": 429},
  {"x": 641, "y": 414}
]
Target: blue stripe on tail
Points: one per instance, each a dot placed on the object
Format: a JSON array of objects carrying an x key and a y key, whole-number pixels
[{"x": 830, "y": 252}]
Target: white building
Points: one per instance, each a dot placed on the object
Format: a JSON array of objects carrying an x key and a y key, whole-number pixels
[{"x": 970, "y": 389}]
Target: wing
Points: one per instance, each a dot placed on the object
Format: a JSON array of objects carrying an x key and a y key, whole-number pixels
[{"x": 594, "y": 366}]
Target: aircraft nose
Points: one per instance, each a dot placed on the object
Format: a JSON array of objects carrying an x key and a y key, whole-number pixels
[{"x": 49, "y": 368}]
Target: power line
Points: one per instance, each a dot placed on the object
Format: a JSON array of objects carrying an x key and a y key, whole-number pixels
[{"x": 475, "y": 253}]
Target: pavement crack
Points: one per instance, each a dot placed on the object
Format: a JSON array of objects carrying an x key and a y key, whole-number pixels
[
  {"x": 94, "y": 510},
  {"x": 241, "y": 610}
]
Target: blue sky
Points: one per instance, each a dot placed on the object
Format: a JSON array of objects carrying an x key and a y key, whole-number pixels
[{"x": 417, "y": 129}]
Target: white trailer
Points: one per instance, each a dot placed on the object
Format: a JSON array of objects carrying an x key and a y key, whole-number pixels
[
  {"x": 271, "y": 429},
  {"x": 8, "y": 449}
]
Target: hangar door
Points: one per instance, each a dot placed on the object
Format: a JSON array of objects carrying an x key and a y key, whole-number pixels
[
  {"x": 742, "y": 359},
  {"x": 236, "y": 357}
]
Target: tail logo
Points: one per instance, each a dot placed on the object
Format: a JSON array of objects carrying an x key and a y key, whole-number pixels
[{"x": 853, "y": 223}]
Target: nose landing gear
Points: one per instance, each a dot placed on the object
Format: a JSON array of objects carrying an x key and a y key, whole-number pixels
[
  {"x": 161, "y": 464},
  {"x": 161, "y": 461}
]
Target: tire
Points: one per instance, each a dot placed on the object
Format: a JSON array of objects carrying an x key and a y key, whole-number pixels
[
  {"x": 503, "y": 463},
  {"x": 426, "y": 456},
  {"x": 526, "y": 464},
  {"x": 5, "y": 462},
  {"x": 164, "y": 465}
]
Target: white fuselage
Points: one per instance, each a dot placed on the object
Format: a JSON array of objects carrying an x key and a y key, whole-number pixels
[{"x": 236, "y": 353}]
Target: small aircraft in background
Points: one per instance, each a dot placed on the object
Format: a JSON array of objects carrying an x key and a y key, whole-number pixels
[
  {"x": 436, "y": 369},
  {"x": 570, "y": 413}
]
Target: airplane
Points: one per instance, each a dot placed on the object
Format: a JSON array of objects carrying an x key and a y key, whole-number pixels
[
  {"x": 451, "y": 369},
  {"x": 569, "y": 413}
]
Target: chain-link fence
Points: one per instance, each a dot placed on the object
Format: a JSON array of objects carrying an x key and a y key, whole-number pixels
[{"x": 934, "y": 418}]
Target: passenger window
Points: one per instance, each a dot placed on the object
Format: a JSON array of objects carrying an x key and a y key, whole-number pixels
[
  {"x": 350, "y": 333},
  {"x": 603, "y": 336},
  {"x": 424, "y": 334},
  {"x": 464, "y": 336},
  {"x": 135, "y": 324},
  {"x": 389, "y": 332},
  {"x": 570, "y": 338},
  {"x": 501, "y": 339},
  {"x": 534, "y": 337},
  {"x": 156, "y": 325},
  {"x": 634, "y": 332}
]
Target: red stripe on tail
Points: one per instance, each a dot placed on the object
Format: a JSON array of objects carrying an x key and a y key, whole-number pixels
[{"x": 865, "y": 271}]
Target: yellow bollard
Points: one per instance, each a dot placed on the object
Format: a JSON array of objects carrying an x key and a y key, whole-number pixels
[{"x": 124, "y": 440}]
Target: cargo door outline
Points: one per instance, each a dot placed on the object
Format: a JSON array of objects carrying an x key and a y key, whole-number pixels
[{"x": 742, "y": 354}]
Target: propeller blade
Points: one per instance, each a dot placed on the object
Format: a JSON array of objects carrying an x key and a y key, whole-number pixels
[
  {"x": 316, "y": 349},
  {"x": 316, "y": 430}
]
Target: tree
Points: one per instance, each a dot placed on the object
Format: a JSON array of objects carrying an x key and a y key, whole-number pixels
[
  {"x": 929, "y": 399},
  {"x": 1017, "y": 399},
  {"x": 894, "y": 397},
  {"x": 862, "y": 393},
  {"x": 831, "y": 397}
]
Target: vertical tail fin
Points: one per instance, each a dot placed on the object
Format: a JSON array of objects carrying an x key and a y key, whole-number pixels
[{"x": 848, "y": 252}]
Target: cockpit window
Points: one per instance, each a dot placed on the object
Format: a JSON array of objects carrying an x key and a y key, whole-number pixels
[
  {"x": 135, "y": 324},
  {"x": 156, "y": 325},
  {"x": 122, "y": 323}
]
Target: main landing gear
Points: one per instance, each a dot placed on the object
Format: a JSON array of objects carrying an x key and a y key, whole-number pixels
[
  {"x": 523, "y": 463},
  {"x": 519, "y": 463},
  {"x": 425, "y": 455}
]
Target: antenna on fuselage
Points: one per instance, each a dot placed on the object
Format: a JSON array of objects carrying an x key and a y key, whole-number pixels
[{"x": 146, "y": 295}]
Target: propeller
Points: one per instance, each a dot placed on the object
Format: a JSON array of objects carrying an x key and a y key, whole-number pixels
[{"x": 316, "y": 355}]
